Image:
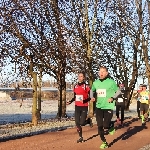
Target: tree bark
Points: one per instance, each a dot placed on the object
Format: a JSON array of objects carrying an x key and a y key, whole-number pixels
[
  {"x": 39, "y": 97},
  {"x": 91, "y": 104},
  {"x": 62, "y": 93},
  {"x": 89, "y": 57},
  {"x": 133, "y": 81},
  {"x": 34, "y": 106},
  {"x": 148, "y": 69},
  {"x": 63, "y": 97},
  {"x": 59, "y": 113},
  {"x": 61, "y": 63}
]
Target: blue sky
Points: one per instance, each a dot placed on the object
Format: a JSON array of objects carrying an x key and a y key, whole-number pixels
[{"x": 8, "y": 75}]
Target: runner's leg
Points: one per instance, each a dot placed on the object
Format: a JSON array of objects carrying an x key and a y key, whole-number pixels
[
  {"x": 141, "y": 111},
  {"x": 117, "y": 113},
  {"x": 138, "y": 108},
  {"x": 108, "y": 124},
  {"x": 122, "y": 113},
  {"x": 99, "y": 119},
  {"x": 146, "y": 108},
  {"x": 77, "y": 120}
]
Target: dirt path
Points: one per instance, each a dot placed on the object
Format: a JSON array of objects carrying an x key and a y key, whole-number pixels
[{"x": 132, "y": 136}]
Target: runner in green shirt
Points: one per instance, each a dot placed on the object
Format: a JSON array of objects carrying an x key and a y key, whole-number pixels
[{"x": 107, "y": 90}]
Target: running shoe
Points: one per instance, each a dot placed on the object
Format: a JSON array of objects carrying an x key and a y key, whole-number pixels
[
  {"x": 111, "y": 130},
  {"x": 80, "y": 140},
  {"x": 104, "y": 145}
]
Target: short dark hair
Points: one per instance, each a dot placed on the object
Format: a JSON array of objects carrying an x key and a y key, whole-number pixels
[
  {"x": 104, "y": 67},
  {"x": 144, "y": 85}
]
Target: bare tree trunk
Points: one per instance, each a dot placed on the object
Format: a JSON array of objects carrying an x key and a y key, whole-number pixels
[
  {"x": 39, "y": 97},
  {"x": 148, "y": 71},
  {"x": 62, "y": 64},
  {"x": 59, "y": 104},
  {"x": 133, "y": 80},
  {"x": 91, "y": 104},
  {"x": 34, "y": 106},
  {"x": 145, "y": 48},
  {"x": 59, "y": 113},
  {"x": 62, "y": 98},
  {"x": 89, "y": 57}
]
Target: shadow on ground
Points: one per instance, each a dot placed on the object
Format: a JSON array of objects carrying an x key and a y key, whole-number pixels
[
  {"x": 126, "y": 124},
  {"x": 90, "y": 138},
  {"x": 130, "y": 131}
]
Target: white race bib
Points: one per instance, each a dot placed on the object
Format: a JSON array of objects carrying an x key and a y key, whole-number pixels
[
  {"x": 101, "y": 93},
  {"x": 79, "y": 97},
  {"x": 143, "y": 98},
  {"x": 120, "y": 100}
]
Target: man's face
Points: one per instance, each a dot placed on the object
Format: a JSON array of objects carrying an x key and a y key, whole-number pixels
[
  {"x": 144, "y": 88},
  {"x": 121, "y": 86},
  {"x": 103, "y": 73}
]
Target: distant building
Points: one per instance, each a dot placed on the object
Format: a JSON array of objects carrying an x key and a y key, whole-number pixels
[{"x": 4, "y": 96}]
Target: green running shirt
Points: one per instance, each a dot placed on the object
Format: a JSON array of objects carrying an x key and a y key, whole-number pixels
[{"x": 105, "y": 89}]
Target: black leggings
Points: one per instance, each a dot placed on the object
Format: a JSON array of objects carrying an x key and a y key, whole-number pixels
[
  {"x": 103, "y": 118},
  {"x": 80, "y": 118},
  {"x": 138, "y": 108},
  {"x": 122, "y": 111}
]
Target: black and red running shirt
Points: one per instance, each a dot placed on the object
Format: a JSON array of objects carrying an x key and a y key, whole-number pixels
[{"x": 81, "y": 92}]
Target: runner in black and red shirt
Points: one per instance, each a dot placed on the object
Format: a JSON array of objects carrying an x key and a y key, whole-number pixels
[{"x": 81, "y": 98}]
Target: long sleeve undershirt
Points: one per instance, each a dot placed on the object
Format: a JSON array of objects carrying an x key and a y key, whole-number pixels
[{"x": 117, "y": 94}]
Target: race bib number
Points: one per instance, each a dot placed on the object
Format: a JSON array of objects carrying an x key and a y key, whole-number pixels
[
  {"x": 101, "y": 93},
  {"x": 79, "y": 97},
  {"x": 144, "y": 98},
  {"x": 120, "y": 100}
]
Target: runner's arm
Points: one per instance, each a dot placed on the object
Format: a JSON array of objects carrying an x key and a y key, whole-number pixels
[
  {"x": 88, "y": 99},
  {"x": 116, "y": 89},
  {"x": 116, "y": 94},
  {"x": 73, "y": 99}
]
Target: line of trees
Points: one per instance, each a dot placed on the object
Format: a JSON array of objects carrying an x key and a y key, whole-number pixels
[{"x": 59, "y": 37}]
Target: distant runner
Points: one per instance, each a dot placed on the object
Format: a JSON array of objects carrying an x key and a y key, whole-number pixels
[
  {"x": 120, "y": 104},
  {"x": 138, "y": 100},
  {"x": 144, "y": 105}
]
